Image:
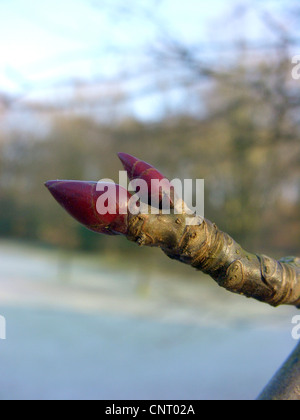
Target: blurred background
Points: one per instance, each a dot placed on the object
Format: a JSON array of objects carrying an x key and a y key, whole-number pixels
[{"x": 198, "y": 89}]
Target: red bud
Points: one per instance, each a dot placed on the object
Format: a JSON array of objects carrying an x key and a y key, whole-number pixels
[
  {"x": 138, "y": 169},
  {"x": 80, "y": 198}
]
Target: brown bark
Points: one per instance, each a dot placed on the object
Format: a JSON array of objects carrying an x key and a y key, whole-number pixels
[{"x": 214, "y": 252}]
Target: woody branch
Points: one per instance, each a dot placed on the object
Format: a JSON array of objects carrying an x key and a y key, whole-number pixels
[{"x": 200, "y": 244}]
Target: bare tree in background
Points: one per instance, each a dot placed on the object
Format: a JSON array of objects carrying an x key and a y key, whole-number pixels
[
  {"x": 235, "y": 123},
  {"x": 239, "y": 102}
]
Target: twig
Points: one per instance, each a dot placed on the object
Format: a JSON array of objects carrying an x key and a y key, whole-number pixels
[{"x": 286, "y": 383}]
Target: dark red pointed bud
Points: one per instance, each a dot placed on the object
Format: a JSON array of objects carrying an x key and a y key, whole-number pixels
[
  {"x": 85, "y": 200},
  {"x": 138, "y": 169}
]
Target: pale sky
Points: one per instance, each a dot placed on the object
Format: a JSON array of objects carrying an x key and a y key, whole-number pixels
[{"x": 44, "y": 42}]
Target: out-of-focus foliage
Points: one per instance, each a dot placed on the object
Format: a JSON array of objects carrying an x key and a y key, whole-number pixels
[
  {"x": 245, "y": 144},
  {"x": 251, "y": 174}
]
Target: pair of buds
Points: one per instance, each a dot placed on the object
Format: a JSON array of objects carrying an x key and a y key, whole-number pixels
[{"x": 79, "y": 198}]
